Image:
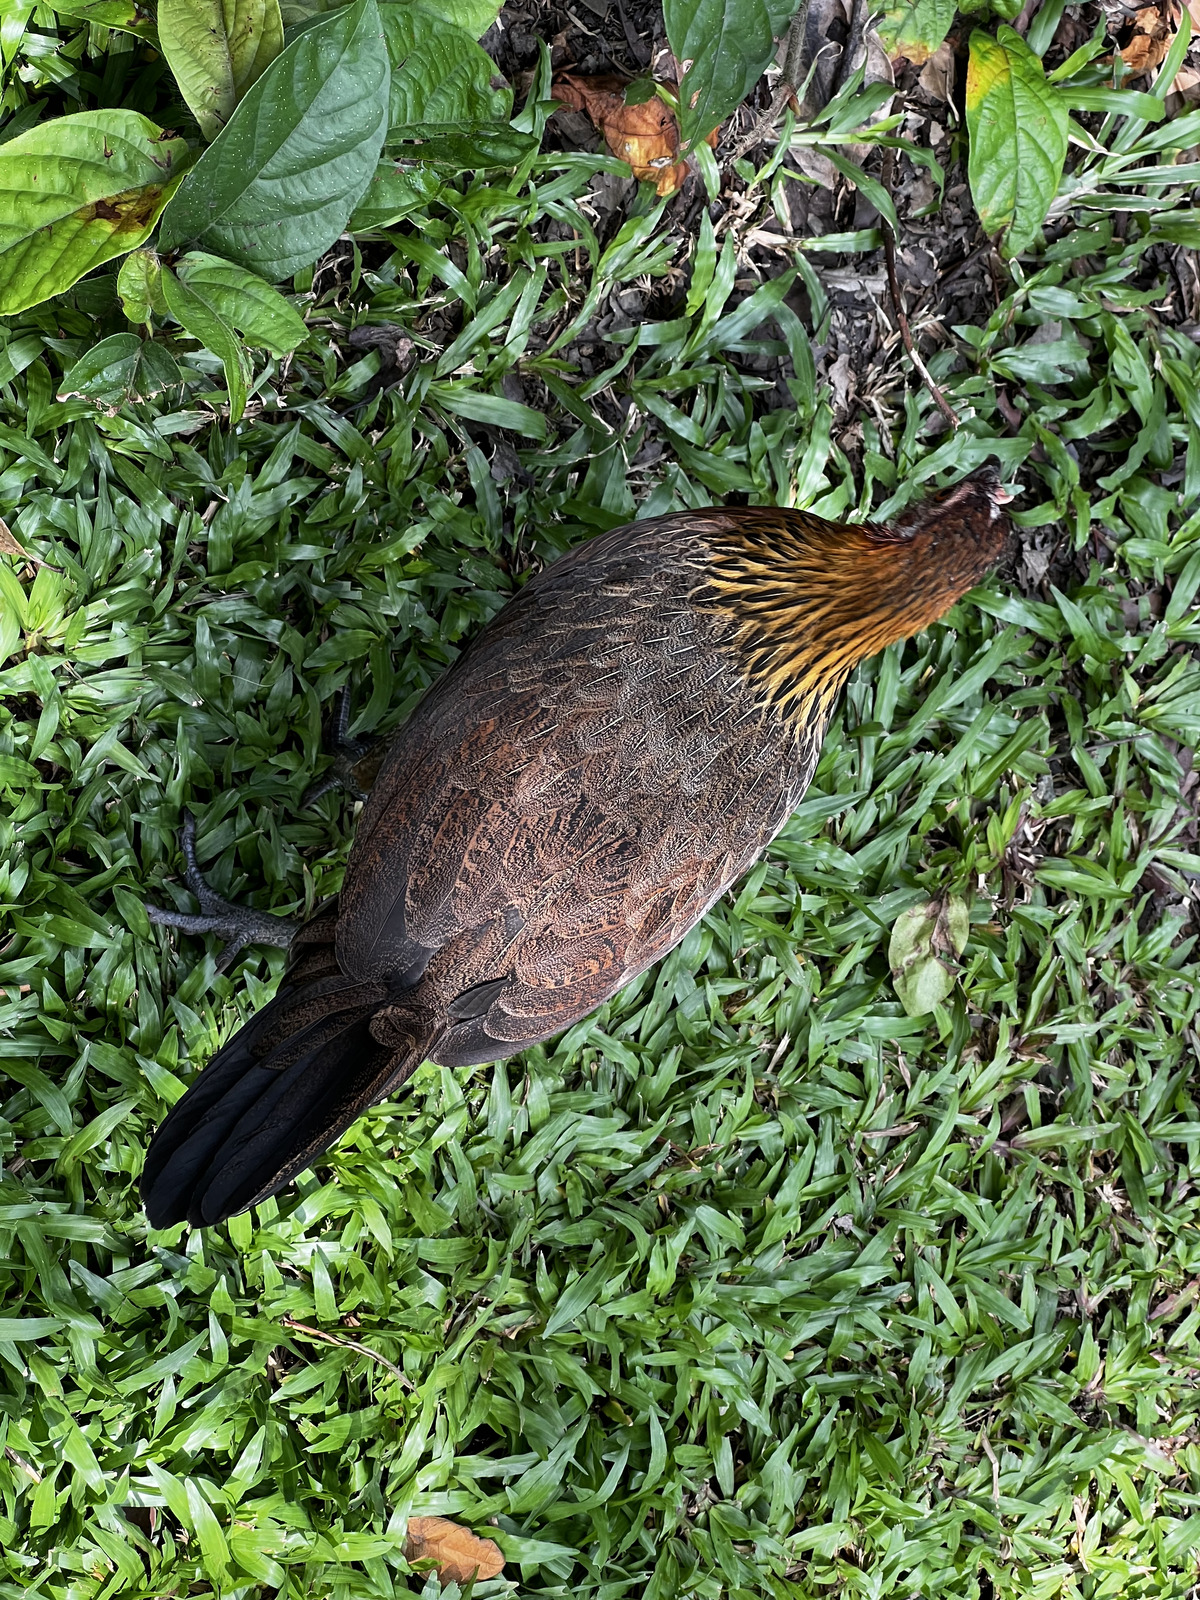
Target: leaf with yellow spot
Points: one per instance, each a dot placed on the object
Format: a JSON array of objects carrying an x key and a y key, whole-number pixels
[
  {"x": 75, "y": 192},
  {"x": 1017, "y": 123},
  {"x": 912, "y": 30}
]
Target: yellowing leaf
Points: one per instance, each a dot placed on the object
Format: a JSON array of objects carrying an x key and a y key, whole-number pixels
[
  {"x": 78, "y": 191},
  {"x": 1017, "y": 124},
  {"x": 458, "y": 1554},
  {"x": 913, "y": 29},
  {"x": 921, "y": 937}
]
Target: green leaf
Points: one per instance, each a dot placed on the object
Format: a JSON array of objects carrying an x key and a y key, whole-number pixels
[
  {"x": 195, "y": 313},
  {"x": 217, "y": 49},
  {"x": 127, "y": 16},
  {"x": 138, "y": 286},
  {"x": 256, "y": 195},
  {"x": 75, "y": 192},
  {"x": 439, "y": 73},
  {"x": 1017, "y": 125},
  {"x": 121, "y": 369},
  {"x": 244, "y": 301},
  {"x": 723, "y": 48},
  {"x": 392, "y": 193},
  {"x": 475, "y": 16},
  {"x": 492, "y": 409},
  {"x": 28, "y": 1329},
  {"x": 470, "y": 146},
  {"x": 915, "y": 28},
  {"x": 1179, "y": 227},
  {"x": 920, "y": 937}
]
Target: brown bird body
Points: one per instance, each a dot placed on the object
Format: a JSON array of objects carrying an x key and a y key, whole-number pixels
[{"x": 609, "y": 755}]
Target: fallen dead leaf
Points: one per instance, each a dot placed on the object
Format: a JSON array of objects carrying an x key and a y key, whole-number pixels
[
  {"x": 457, "y": 1553},
  {"x": 646, "y": 136},
  {"x": 1153, "y": 31},
  {"x": 815, "y": 164},
  {"x": 1184, "y": 90},
  {"x": 8, "y": 545},
  {"x": 937, "y": 75}
]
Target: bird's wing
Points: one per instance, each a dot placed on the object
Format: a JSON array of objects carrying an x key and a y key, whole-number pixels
[{"x": 568, "y": 800}]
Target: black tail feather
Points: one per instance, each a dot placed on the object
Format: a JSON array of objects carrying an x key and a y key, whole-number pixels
[{"x": 283, "y": 1089}]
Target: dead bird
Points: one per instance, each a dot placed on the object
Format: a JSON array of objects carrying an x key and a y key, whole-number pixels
[{"x": 612, "y": 752}]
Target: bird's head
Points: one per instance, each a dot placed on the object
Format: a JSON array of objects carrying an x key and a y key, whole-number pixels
[{"x": 814, "y": 598}]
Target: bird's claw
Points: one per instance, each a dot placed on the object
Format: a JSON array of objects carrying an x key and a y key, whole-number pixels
[
  {"x": 238, "y": 925},
  {"x": 348, "y": 753}
]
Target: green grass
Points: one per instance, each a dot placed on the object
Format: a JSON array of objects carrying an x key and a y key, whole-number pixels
[{"x": 751, "y": 1285}]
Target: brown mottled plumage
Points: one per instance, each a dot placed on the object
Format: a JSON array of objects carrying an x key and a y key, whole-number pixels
[{"x": 611, "y": 753}]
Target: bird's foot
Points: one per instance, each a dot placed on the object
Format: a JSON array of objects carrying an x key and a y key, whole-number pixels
[
  {"x": 352, "y": 768},
  {"x": 239, "y": 925}
]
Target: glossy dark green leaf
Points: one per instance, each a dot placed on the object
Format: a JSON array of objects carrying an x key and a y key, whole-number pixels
[
  {"x": 242, "y": 299},
  {"x": 121, "y": 369},
  {"x": 723, "y": 47},
  {"x": 197, "y": 314},
  {"x": 474, "y": 147},
  {"x": 256, "y": 195},
  {"x": 439, "y": 74}
]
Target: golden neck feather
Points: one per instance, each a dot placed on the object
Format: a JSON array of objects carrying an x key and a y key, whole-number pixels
[{"x": 810, "y": 599}]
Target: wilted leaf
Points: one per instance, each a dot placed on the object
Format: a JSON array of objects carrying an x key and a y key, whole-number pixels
[
  {"x": 10, "y": 546},
  {"x": 458, "y": 1553},
  {"x": 256, "y": 195},
  {"x": 1153, "y": 30},
  {"x": 1017, "y": 124},
  {"x": 217, "y": 49},
  {"x": 645, "y": 135},
  {"x": 120, "y": 369},
  {"x": 76, "y": 191},
  {"x": 921, "y": 937},
  {"x": 937, "y": 75},
  {"x": 913, "y": 29},
  {"x": 242, "y": 299}
]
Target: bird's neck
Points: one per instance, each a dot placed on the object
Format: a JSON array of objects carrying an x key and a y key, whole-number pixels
[{"x": 810, "y": 599}]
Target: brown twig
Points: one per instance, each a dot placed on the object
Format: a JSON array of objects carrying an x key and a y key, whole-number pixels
[
  {"x": 348, "y": 1344},
  {"x": 788, "y": 87},
  {"x": 889, "y": 254}
]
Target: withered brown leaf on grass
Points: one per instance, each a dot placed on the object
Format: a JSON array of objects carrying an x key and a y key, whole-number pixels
[
  {"x": 457, "y": 1553},
  {"x": 1154, "y": 28},
  {"x": 646, "y": 135},
  {"x": 8, "y": 545}
]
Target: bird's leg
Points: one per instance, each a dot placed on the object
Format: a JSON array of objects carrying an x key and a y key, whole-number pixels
[
  {"x": 239, "y": 925},
  {"x": 355, "y": 759},
  {"x": 355, "y": 764}
]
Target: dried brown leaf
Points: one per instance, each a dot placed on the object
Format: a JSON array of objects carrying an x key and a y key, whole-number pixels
[
  {"x": 646, "y": 136},
  {"x": 937, "y": 75},
  {"x": 457, "y": 1553},
  {"x": 8, "y": 545},
  {"x": 1153, "y": 31}
]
